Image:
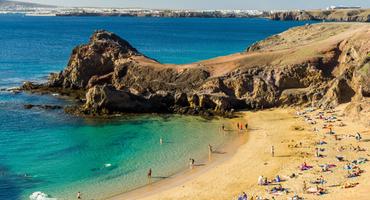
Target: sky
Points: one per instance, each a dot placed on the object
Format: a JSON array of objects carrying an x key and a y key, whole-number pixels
[{"x": 207, "y": 4}]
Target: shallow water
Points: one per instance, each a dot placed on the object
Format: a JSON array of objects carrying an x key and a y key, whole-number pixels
[{"x": 60, "y": 154}]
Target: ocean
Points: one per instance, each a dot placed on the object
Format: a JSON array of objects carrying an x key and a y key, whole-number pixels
[{"x": 60, "y": 154}]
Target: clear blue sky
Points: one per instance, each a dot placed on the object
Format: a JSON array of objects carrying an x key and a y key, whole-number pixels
[{"x": 209, "y": 4}]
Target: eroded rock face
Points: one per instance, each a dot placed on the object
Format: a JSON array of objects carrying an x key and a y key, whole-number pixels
[
  {"x": 118, "y": 79},
  {"x": 106, "y": 99},
  {"x": 99, "y": 57}
]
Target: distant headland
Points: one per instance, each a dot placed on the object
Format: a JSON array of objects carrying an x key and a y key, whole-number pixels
[{"x": 332, "y": 13}]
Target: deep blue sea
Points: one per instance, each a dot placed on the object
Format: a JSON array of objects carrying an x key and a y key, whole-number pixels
[{"x": 59, "y": 154}]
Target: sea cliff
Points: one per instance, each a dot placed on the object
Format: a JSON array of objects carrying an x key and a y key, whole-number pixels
[
  {"x": 339, "y": 15},
  {"x": 318, "y": 65}
]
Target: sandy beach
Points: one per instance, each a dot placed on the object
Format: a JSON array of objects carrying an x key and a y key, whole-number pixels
[{"x": 294, "y": 141}]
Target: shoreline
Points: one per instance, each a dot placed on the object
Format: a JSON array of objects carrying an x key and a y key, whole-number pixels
[
  {"x": 238, "y": 173},
  {"x": 221, "y": 155}
]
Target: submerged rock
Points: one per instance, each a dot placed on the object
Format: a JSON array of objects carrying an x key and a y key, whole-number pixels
[{"x": 46, "y": 107}]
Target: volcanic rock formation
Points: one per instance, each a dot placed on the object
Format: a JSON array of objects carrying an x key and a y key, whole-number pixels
[{"x": 320, "y": 65}]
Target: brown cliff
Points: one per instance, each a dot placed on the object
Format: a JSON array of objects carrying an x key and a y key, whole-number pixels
[
  {"x": 339, "y": 15},
  {"x": 322, "y": 65}
]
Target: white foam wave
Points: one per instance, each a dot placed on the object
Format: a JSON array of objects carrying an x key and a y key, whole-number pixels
[
  {"x": 40, "y": 196},
  {"x": 107, "y": 165}
]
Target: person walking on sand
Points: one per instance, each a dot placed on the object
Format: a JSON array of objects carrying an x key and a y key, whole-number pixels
[
  {"x": 272, "y": 151},
  {"x": 79, "y": 195},
  {"x": 304, "y": 186},
  {"x": 237, "y": 125},
  {"x": 149, "y": 175}
]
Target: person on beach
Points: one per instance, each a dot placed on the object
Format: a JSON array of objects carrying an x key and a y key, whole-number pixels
[
  {"x": 358, "y": 137},
  {"x": 336, "y": 137},
  {"x": 260, "y": 180},
  {"x": 272, "y": 151},
  {"x": 304, "y": 186},
  {"x": 210, "y": 149},
  {"x": 79, "y": 195},
  {"x": 277, "y": 179},
  {"x": 149, "y": 175},
  {"x": 223, "y": 127},
  {"x": 317, "y": 152},
  {"x": 192, "y": 162},
  {"x": 245, "y": 196},
  {"x": 321, "y": 180},
  {"x": 246, "y": 126}
]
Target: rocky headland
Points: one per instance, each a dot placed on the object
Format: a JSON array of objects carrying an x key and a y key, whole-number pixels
[
  {"x": 339, "y": 15},
  {"x": 320, "y": 65}
]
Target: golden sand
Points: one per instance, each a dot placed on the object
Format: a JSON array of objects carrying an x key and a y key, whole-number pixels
[{"x": 284, "y": 130}]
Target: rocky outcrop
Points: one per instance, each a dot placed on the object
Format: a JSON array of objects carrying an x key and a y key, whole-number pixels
[
  {"x": 104, "y": 52},
  {"x": 323, "y": 65},
  {"x": 46, "y": 107},
  {"x": 339, "y": 15}
]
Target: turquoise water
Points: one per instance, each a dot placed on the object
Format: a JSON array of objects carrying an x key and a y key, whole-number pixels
[{"x": 60, "y": 154}]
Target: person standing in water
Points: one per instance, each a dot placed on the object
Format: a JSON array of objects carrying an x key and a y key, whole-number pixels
[
  {"x": 160, "y": 140},
  {"x": 191, "y": 164},
  {"x": 79, "y": 195},
  {"x": 210, "y": 151},
  {"x": 272, "y": 151},
  {"x": 149, "y": 175}
]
